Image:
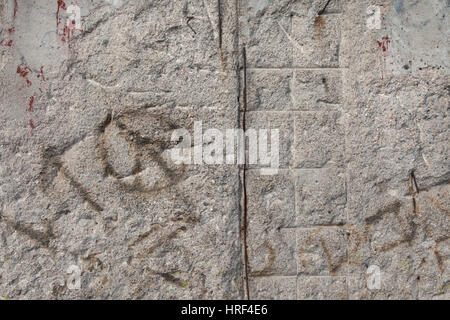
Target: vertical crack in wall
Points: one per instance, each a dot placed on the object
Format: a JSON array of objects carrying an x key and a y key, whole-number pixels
[
  {"x": 219, "y": 27},
  {"x": 242, "y": 125},
  {"x": 244, "y": 230},
  {"x": 220, "y": 33}
]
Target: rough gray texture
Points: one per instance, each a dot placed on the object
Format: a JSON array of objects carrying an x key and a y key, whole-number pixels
[
  {"x": 86, "y": 178},
  {"x": 93, "y": 185}
]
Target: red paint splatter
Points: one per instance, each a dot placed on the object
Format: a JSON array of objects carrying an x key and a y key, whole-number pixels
[
  {"x": 384, "y": 43},
  {"x": 65, "y": 34},
  {"x": 30, "y": 104},
  {"x": 23, "y": 71},
  {"x": 10, "y": 42},
  {"x": 61, "y": 6},
  {"x": 15, "y": 8},
  {"x": 64, "y": 31},
  {"x": 41, "y": 75},
  {"x": 31, "y": 125},
  {"x": 384, "y": 46}
]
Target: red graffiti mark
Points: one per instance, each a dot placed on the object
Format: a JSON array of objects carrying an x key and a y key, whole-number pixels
[
  {"x": 384, "y": 43},
  {"x": 384, "y": 46},
  {"x": 15, "y": 8},
  {"x": 61, "y": 6},
  {"x": 41, "y": 75},
  {"x": 10, "y": 42},
  {"x": 30, "y": 104},
  {"x": 64, "y": 31},
  {"x": 66, "y": 34},
  {"x": 31, "y": 125},
  {"x": 23, "y": 71}
]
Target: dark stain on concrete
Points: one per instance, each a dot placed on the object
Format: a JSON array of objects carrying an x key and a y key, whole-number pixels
[
  {"x": 391, "y": 208},
  {"x": 41, "y": 238}
]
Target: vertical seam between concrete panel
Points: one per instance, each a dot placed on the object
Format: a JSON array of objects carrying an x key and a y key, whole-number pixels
[
  {"x": 242, "y": 174},
  {"x": 240, "y": 189},
  {"x": 294, "y": 174},
  {"x": 293, "y": 105},
  {"x": 294, "y": 159},
  {"x": 344, "y": 124},
  {"x": 244, "y": 178}
]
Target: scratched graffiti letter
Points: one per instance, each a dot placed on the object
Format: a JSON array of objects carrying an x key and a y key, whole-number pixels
[{"x": 181, "y": 154}]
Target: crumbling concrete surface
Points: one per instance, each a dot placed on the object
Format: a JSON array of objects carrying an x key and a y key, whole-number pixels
[{"x": 92, "y": 205}]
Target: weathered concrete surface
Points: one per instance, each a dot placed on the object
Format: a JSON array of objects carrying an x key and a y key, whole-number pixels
[
  {"x": 92, "y": 185},
  {"x": 368, "y": 107},
  {"x": 86, "y": 178}
]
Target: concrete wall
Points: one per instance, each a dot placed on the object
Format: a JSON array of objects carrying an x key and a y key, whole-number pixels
[{"x": 88, "y": 190}]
